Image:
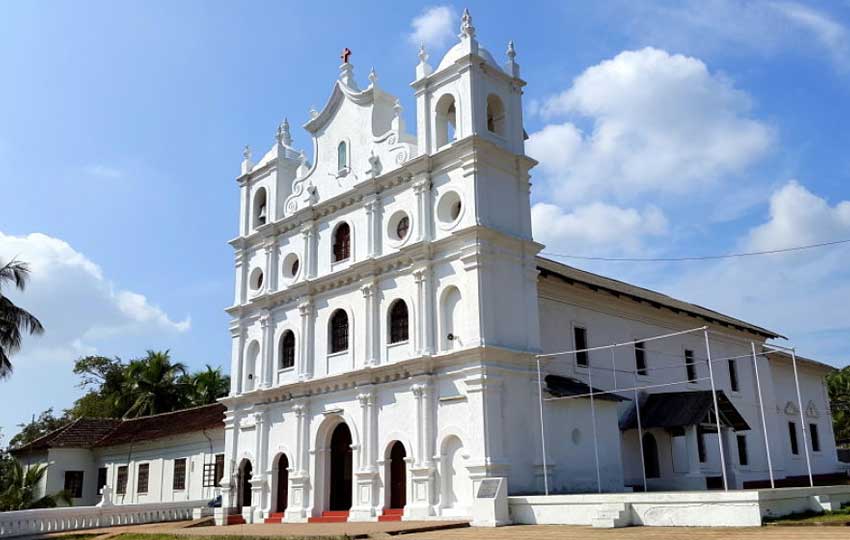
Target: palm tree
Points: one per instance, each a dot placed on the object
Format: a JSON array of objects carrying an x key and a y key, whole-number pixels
[
  {"x": 155, "y": 384},
  {"x": 209, "y": 385},
  {"x": 20, "y": 493},
  {"x": 14, "y": 320}
]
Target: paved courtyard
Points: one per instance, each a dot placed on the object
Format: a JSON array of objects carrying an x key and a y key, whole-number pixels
[{"x": 406, "y": 531}]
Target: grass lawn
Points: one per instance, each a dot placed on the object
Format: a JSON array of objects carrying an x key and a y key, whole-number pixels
[{"x": 838, "y": 518}]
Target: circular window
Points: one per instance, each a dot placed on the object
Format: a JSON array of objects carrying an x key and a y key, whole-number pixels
[
  {"x": 449, "y": 209},
  {"x": 398, "y": 227},
  {"x": 256, "y": 280},
  {"x": 291, "y": 265}
]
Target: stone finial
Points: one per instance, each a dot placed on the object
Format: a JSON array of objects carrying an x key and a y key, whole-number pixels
[
  {"x": 423, "y": 69},
  {"x": 511, "y": 66},
  {"x": 423, "y": 56},
  {"x": 397, "y": 107},
  {"x": 466, "y": 28},
  {"x": 313, "y": 112},
  {"x": 511, "y": 51},
  {"x": 373, "y": 77},
  {"x": 283, "y": 136},
  {"x": 246, "y": 153}
]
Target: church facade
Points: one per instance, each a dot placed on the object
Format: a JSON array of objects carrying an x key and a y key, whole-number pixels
[{"x": 389, "y": 304}]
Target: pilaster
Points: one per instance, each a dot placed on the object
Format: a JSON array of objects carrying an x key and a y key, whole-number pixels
[
  {"x": 373, "y": 208},
  {"x": 365, "y": 499},
  {"x": 422, "y": 190},
  {"x": 237, "y": 335},
  {"x": 299, "y": 479},
  {"x": 308, "y": 235},
  {"x": 305, "y": 364},
  {"x": 272, "y": 274},
  {"x": 422, "y": 493},
  {"x": 424, "y": 335},
  {"x": 267, "y": 352},
  {"x": 372, "y": 327}
]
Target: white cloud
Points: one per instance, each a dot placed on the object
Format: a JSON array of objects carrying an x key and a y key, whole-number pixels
[
  {"x": 595, "y": 228},
  {"x": 804, "y": 294},
  {"x": 736, "y": 27},
  {"x": 660, "y": 123},
  {"x": 78, "y": 305},
  {"x": 434, "y": 27},
  {"x": 829, "y": 33},
  {"x": 104, "y": 171}
]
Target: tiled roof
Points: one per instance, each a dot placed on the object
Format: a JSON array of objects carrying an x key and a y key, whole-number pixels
[
  {"x": 157, "y": 426},
  {"x": 682, "y": 409},
  {"x": 560, "y": 386},
  {"x": 91, "y": 432},
  {"x": 621, "y": 288}
]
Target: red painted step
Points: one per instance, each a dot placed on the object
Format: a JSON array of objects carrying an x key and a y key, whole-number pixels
[
  {"x": 391, "y": 514},
  {"x": 235, "y": 519},
  {"x": 333, "y": 516},
  {"x": 274, "y": 517}
]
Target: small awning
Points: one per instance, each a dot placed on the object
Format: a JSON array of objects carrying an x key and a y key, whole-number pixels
[
  {"x": 560, "y": 386},
  {"x": 681, "y": 409}
]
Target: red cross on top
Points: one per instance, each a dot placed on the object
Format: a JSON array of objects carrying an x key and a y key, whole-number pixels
[{"x": 346, "y": 52}]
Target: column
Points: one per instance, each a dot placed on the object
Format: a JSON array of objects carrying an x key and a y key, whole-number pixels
[
  {"x": 228, "y": 481},
  {"x": 258, "y": 481},
  {"x": 308, "y": 258},
  {"x": 372, "y": 327},
  {"x": 373, "y": 219},
  {"x": 272, "y": 271},
  {"x": 237, "y": 334},
  {"x": 305, "y": 364},
  {"x": 299, "y": 479},
  {"x": 267, "y": 352},
  {"x": 365, "y": 501},
  {"x": 420, "y": 499},
  {"x": 240, "y": 263},
  {"x": 424, "y": 335},
  {"x": 422, "y": 190}
]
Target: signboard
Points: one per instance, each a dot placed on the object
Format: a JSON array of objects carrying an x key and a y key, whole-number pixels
[{"x": 488, "y": 488}]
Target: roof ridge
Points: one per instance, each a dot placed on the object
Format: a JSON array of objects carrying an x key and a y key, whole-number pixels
[
  {"x": 196, "y": 407},
  {"x": 55, "y": 432}
]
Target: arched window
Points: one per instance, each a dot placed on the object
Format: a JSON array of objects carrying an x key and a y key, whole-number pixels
[
  {"x": 339, "y": 331},
  {"x": 650, "y": 456},
  {"x": 287, "y": 350},
  {"x": 495, "y": 115},
  {"x": 398, "y": 322},
  {"x": 342, "y": 242},
  {"x": 446, "y": 120},
  {"x": 260, "y": 212},
  {"x": 342, "y": 156}
]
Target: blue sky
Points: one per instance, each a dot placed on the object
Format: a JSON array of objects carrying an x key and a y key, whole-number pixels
[{"x": 662, "y": 129}]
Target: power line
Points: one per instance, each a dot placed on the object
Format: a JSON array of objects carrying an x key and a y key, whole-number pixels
[{"x": 696, "y": 258}]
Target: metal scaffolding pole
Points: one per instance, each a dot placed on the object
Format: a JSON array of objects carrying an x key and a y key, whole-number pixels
[
  {"x": 802, "y": 419},
  {"x": 593, "y": 419},
  {"x": 716, "y": 414},
  {"x": 763, "y": 420},
  {"x": 640, "y": 432},
  {"x": 542, "y": 430}
]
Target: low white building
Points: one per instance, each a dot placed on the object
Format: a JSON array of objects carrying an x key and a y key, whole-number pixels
[
  {"x": 390, "y": 305},
  {"x": 169, "y": 457}
]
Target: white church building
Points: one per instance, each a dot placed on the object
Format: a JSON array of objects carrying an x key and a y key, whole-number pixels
[{"x": 390, "y": 307}]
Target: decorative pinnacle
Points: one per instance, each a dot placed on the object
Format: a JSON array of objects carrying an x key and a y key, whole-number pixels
[
  {"x": 346, "y": 53},
  {"x": 466, "y": 28},
  {"x": 313, "y": 112},
  {"x": 284, "y": 137},
  {"x": 246, "y": 153},
  {"x": 373, "y": 76},
  {"x": 511, "y": 51},
  {"x": 423, "y": 56},
  {"x": 397, "y": 107}
]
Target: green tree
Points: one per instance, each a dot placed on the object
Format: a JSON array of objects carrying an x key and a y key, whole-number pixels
[
  {"x": 838, "y": 384},
  {"x": 44, "y": 424},
  {"x": 106, "y": 381},
  {"x": 22, "y": 486},
  {"x": 208, "y": 385},
  {"x": 14, "y": 321},
  {"x": 155, "y": 384}
]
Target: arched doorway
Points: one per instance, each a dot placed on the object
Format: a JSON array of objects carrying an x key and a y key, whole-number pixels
[
  {"x": 341, "y": 469},
  {"x": 398, "y": 476},
  {"x": 650, "y": 456},
  {"x": 243, "y": 482},
  {"x": 282, "y": 484}
]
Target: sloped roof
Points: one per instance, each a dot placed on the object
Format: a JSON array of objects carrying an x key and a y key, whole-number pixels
[
  {"x": 657, "y": 299},
  {"x": 92, "y": 432},
  {"x": 682, "y": 409},
  {"x": 560, "y": 386}
]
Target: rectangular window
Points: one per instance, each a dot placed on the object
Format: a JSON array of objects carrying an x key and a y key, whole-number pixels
[
  {"x": 690, "y": 367},
  {"x": 580, "y": 342},
  {"x": 74, "y": 483},
  {"x": 101, "y": 479},
  {"x": 733, "y": 375},
  {"x": 142, "y": 478},
  {"x": 640, "y": 358},
  {"x": 743, "y": 458},
  {"x": 792, "y": 436},
  {"x": 813, "y": 432},
  {"x": 121, "y": 481},
  {"x": 214, "y": 472},
  {"x": 179, "y": 480},
  {"x": 701, "y": 445}
]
